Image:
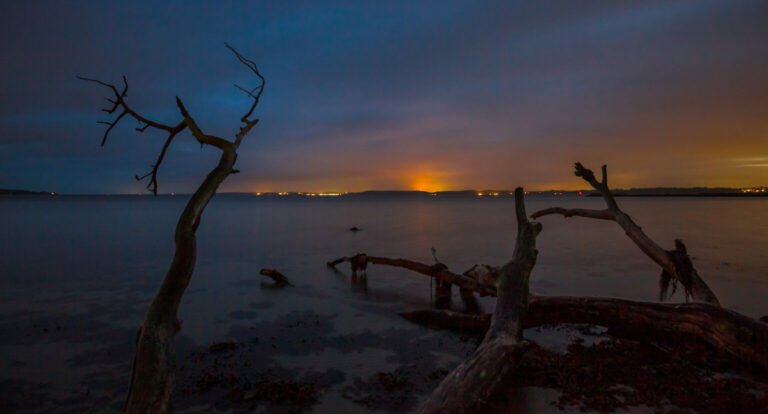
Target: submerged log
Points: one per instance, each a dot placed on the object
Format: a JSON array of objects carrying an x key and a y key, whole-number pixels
[
  {"x": 745, "y": 338},
  {"x": 676, "y": 264},
  {"x": 470, "y": 385},
  {"x": 278, "y": 278},
  {"x": 742, "y": 337}
]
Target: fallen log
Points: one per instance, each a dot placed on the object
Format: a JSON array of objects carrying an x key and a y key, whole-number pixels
[
  {"x": 676, "y": 264},
  {"x": 742, "y": 337},
  {"x": 745, "y": 338},
  {"x": 359, "y": 262},
  {"x": 279, "y": 279},
  {"x": 470, "y": 385}
]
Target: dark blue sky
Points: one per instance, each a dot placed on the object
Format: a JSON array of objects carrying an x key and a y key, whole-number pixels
[{"x": 391, "y": 95}]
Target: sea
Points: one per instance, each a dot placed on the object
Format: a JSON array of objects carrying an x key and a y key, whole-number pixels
[{"x": 77, "y": 274}]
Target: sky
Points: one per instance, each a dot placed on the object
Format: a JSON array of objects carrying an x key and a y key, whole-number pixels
[{"x": 390, "y": 95}]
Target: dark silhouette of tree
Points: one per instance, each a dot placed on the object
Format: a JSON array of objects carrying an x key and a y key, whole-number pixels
[
  {"x": 471, "y": 385},
  {"x": 675, "y": 264},
  {"x": 154, "y": 366}
]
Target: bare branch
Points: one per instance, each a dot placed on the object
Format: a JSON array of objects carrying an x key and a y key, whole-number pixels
[
  {"x": 201, "y": 137},
  {"x": 258, "y": 89},
  {"x": 578, "y": 212},
  {"x": 152, "y": 185},
  {"x": 676, "y": 263},
  {"x": 119, "y": 102},
  {"x": 111, "y": 125},
  {"x": 361, "y": 260}
]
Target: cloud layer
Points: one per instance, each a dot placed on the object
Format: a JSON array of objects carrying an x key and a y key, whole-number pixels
[{"x": 396, "y": 95}]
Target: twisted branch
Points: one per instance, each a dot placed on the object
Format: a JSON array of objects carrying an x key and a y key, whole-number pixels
[
  {"x": 120, "y": 102},
  {"x": 676, "y": 264}
]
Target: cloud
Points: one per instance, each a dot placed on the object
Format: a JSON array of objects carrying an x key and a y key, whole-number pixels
[{"x": 453, "y": 93}]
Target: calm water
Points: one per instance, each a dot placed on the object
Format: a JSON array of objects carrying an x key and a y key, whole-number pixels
[{"x": 77, "y": 273}]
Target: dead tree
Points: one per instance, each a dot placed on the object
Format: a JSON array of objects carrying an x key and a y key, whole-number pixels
[
  {"x": 154, "y": 366},
  {"x": 464, "y": 282},
  {"x": 743, "y": 338},
  {"x": 676, "y": 264},
  {"x": 472, "y": 383}
]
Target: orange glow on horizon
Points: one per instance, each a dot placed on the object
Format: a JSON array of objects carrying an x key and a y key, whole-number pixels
[{"x": 427, "y": 184}]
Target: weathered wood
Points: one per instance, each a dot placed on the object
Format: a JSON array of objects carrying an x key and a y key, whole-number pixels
[
  {"x": 438, "y": 272},
  {"x": 279, "y": 279},
  {"x": 468, "y": 387},
  {"x": 676, "y": 264},
  {"x": 443, "y": 294},
  {"x": 154, "y": 370},
  {"x": 746, "y": 339},
  {"x": 742, "y": 337},
  {"x": 154, "y": 365},
  {"x": 469, "y": 300}
]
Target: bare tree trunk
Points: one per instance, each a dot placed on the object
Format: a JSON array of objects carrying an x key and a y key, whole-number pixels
[
  {"x": 471, "y": 384},
  {"x": 154, "y": 365},
  {"x": 676, "y": 265},
  {"x": 154, "y": 368}
]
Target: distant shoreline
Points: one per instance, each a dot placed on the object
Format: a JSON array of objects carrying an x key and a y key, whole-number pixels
[
  {"x": 689, "y": 195},
  {"x": 406, "y": 194}
]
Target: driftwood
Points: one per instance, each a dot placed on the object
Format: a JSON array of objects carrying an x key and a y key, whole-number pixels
[
  {"x": 154, "y": 366},
  {"x": 359, "y": 263},
  {"x": 676, "y": 264},
  {"x": 742, "y": 337},
  {"x": 469, "y": 386},
  {"x": 279, "y": 280}
]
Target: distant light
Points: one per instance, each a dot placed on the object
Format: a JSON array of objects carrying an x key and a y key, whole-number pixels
[
  {"x": 173, "y": 194},
  {"x": 480, "y": 194},
  {"x": 52, "y": 193},
  {"x": 579, "y": 192},
  {"x": 258, "y": 194}
]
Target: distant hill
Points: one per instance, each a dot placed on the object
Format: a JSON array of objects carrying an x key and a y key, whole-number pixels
[
  {"x": 4, "y": 191},
  {"x": 687, "y": 192}
]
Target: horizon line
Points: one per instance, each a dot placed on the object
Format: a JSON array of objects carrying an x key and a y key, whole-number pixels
[{"x": 487, "y": 191}]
